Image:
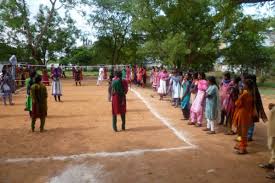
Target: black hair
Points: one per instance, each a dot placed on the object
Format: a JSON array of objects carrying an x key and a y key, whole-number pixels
[
  {"x": 227, "y": 75},
  {"x": 4, "y": 71},
  {"x": 38, "y": 79},
  {"x": 32, "y": 74},
  {"x": 202, "y": 74},
  {"x": 249, "y": 83},
  {"x": 195, "y": 75},
  {"x": 188, "y": 75},
  {"x": 254, "y": 78},
  {"x": 245, "y": 75},
  {"x": 119, "y": 74},
  {"x": 237, "y": 79},
  {"x": 212, "y": 80}
]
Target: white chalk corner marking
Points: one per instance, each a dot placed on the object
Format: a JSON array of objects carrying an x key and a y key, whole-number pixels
[{"x": 165, "y": 121}]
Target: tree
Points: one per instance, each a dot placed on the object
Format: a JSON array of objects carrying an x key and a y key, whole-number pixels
[
  {"x": 186, "y": 26},
  {"x": 15, "y": 16},
  {"x": 245, "y": 41},
  {"x": 112, "y": 20}
]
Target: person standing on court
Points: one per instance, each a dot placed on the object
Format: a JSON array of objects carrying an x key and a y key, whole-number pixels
[
  {"x": 29, "y": 82},
  {"x": 243, "y": 116},
  {"x": 5, "y": 87},
  {"x": 78, "y": 74},
  {"x": 56, "y": 84},
  {"x": 100, "y": 76},
  {"x": 39, "y": 97},
  {"x": 119, "y": 91},
  {"x": 271, "y": 142}
]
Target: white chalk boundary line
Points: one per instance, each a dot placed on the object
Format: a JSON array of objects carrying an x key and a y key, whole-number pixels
[
  {"x": 96, "y": 155},
  {"x": 165, "y": 121},
  {"x": 135, "y": 152}
]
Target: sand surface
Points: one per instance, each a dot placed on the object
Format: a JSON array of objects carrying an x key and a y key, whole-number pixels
[{"x": 80, "y": 146}]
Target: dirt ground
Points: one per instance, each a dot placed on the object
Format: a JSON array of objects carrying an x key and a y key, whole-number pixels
[{"x": 80, "y": 146}]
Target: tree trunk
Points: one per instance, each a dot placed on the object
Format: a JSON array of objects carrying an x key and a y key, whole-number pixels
[
  {"x": 114, "y": 53},
  {"x": 35, "y": 55}
]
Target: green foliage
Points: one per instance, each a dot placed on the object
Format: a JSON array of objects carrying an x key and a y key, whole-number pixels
[
  {"x": 45, "y": 36},
  {"x": 175, "y": 49},
  {"x": 184, "y": 33},
  {"x": 181, "y": 34},
  {"x": 246, "y": 45}
]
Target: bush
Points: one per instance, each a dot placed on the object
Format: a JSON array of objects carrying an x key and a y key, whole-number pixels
[{"x": 262, "y": 79}]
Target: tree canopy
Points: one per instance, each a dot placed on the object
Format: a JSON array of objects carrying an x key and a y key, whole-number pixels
[{"x": 180, "y": 33}]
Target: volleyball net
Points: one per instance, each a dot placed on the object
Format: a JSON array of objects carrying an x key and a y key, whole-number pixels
[
  {"x": 22, "y": 71},
  {"x": 70, "y": 67}
]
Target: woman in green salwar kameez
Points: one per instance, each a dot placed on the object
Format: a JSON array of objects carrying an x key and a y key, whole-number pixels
[{"x": 28, "y": 83}]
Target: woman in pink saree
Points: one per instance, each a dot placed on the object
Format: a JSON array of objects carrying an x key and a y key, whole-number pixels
[
  {"x": 197, "y": 108},
  {"x": 155, "y": 79}
]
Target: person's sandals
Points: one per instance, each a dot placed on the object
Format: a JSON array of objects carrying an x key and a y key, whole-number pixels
[
  {"x": 249, "y": 139},
  {"x": 198, "y": 125},
  {"x": 238, "y": 139},
  {"x": 206, "y": 129},
  {"x": 266, "y": 166},
  {"x": 190, "y": 123},
  {"x": 211, "y": 132},
  {"x": 229, "y": 133}
]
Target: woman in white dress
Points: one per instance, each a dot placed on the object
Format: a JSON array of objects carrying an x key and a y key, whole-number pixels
[
  {"x": 162, "y": 90},
  {"x": 175, "y": 82},
  {"x": 100, "y": 76}
]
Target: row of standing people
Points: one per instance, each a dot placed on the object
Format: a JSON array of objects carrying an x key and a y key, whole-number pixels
[{"x": 235, "y": 103}]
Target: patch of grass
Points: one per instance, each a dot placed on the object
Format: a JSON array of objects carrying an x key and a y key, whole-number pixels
[
  {"x": 267, "y": 91},
  {"x": 267, "y": 85}
]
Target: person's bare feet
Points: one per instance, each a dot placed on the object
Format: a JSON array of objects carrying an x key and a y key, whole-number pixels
[{"x": 271, "y": 176}]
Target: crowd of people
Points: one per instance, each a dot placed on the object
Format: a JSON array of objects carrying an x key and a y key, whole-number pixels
[{"x": 235, "y": 103}]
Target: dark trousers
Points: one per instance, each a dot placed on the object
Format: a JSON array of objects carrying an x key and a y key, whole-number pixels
[
  {"x": 251, "y": 131},
  {"x": 176, "y": 102},
  {"x": 42, "y": 123},
  {"x": 59, "y": 98},
  {"x": 223, "y": 116},
  {"x": 123, "y": 119},
  {"x": 186, "y": 113}
]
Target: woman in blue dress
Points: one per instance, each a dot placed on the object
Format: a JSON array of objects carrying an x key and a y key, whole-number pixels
[
  {"x": 212, "y": 108},
  {"x": 186, "y": 94}
]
